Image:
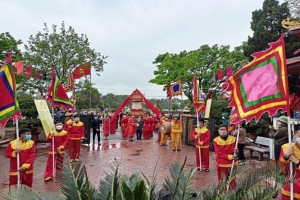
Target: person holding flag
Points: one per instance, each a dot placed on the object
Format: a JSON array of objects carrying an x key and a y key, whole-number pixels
[
  {"x": 26, "y": 152},
  {"x": 291, "y": 155},
  {"x": 61, "y": 139},
  {"x": 224, "y": 146},
  {"x": 204, "y": 135}
]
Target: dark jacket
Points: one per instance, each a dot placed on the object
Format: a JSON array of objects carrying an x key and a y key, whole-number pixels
[
  {"x": 141, "y": 124},
  {"x": 280, "y": 136},
  {"x": 95, "y": 124}
]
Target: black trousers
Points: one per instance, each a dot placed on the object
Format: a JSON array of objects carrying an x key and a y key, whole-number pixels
[
  {"x": 94, "y": 135},
  {"x": 277, "y": 150},
  {"x": 241, "y": 152},
  {"x": 139, "y": 134}
]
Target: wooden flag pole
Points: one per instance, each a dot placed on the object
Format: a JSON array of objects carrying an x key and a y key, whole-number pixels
[
  {"x": 18, "y": 147},
  {"x": 232, "y": 164},
  {"x": 291, "y": 164},
  {"x": 198, "y": 134},
  {"x": 53, "y": 150}
]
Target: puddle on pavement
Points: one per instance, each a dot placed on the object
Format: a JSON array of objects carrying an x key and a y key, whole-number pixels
[
  {"x": 138, "y": 152},
  {"x": 106, "y": 145}
]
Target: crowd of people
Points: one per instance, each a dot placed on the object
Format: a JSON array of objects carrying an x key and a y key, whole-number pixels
[{"x": 227, "y": 152}]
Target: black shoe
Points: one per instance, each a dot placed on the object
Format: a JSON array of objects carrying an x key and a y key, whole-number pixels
[
  {"x": 174, "y": 149},
  {"x": 206, "y": 170}
]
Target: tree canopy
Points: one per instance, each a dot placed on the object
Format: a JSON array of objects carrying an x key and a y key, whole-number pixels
[
  {"x": 9, "y": 44},
  {"x": 62, "y": 48},
  {"x": 204, "y": 62},
  {"x": 266, "y": 27}
]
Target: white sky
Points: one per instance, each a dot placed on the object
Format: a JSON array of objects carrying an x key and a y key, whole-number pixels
[{"x": 134, "y": 32}]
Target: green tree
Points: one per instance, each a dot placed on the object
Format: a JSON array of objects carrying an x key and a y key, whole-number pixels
[
  {"x": 204, "y": 62},
  {"x": 294, "y": 6},
  {"x": 62, "y": 48},
  {"x": 9, "y": 44},
  {"x": 83, "y": 97},
  {"x": 266, "y": 26},
  {"x": 175, "y": 106}
]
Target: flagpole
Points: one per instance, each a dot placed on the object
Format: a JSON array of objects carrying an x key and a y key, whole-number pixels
[
  {"x": 18, "y": 147},
  {"x": 288, "y": 116},
  {"x": 91, "y": 91},
  {"x": 232, "y": 164},
  {"x": 198, "y": 132},
  {"x": 53, "y": 151}
]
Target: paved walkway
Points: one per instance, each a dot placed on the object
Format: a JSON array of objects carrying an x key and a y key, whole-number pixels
[{"x": 139, "y": 155}]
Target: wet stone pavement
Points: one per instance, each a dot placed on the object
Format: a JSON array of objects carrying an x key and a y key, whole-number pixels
[{"x": 139, "y": 155}]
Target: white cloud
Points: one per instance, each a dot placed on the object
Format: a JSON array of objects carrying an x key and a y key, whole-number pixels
[{"x": 133, "y": 32}]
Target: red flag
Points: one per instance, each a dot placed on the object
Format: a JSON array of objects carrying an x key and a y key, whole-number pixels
[
  {"x": 29, "y": 71},
  {"x": 220, "y": 74},
  {"x": 229, "y": 71},
  {"x": 208, "y": 96},
  {"x": 19, "y": 66},
  {"x": 38, "y": 74},
  {"x": 82, "y": 70}
]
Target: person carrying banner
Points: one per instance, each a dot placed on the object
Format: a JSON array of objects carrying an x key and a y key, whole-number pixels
[
  {"x": 61, "y": 138},
  {"x": 176, "y": 130},
  {"x": 291, "y": 154},
  {"x": 224, "y": 146},
  {"x": 204, "y": 135},
  {"x": 27, "y": 155},
  {"x": 77, "y": 134}
]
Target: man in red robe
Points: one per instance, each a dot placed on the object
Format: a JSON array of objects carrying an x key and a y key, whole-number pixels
[
  {"x": 124, "y": 123},
  {"x": 26, "y": 152},
  {"x": 225, "y": 147},
  {"x": 61, "y": 138},
  {"x": 131, "y": 127},
  {"x": 204, "y": 134},
  {"x": 77, "y": 134},
  {"x": 146, "y": 127},
  {"x": 291, "y": 154}
]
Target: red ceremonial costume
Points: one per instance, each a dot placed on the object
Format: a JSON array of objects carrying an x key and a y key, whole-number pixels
[
  {"x": 77, "y": 133},
  {"x": 27, "y": 154},
  {"x": 130, "y": 130},
  {"x": 285, "y": 164},
  {"x": 163, "y": 137},
  {"x": 224, "y": 151},
  {"x": 204, "y": 146},
  {"x": 60, "y": 140},
  {"x": 147, "y": 128},
  {"x": 124, "y": 123},
  {"x": 106, "y": 127},
  {"x": 152, "y": 125}
]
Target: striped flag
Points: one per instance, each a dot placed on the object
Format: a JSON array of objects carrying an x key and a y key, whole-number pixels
[
  {"x": 57, "y": 95},
  {"x": 9, "y": 107},
  {"x": 70, "y": 84},
  {"x": 198, "y": 100}
]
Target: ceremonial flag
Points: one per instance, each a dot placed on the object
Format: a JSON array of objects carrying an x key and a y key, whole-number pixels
[
  {"x": 82, "y": 70},
  {"x": 70, "y": 84},
  {"x": 9, "y": 107},
  {"x": 220, "y": 74},
  {"x": 29, "y": 71},
  {"x": 261, "y": 86},
  {"x": 156, "y": 104},
  {"x": 45, "y": 76},
  {"x": 73, "y": 98},
  {"x": 176, "y": 88},
  {"x": 208, "y": 96},
  {"x": 213, "y": 78},
  {"x": 19, "y": 66},
  {"x": 57, "y": 95},
  {"x": 226, "y": 95},
  {"x": 198, "y": 100},
  {"x": 231, "y": 126},
  {"x": 38, "y": 74},
  {"x": 229, "y": 71},
  {"x": 102, "y": 110}
]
